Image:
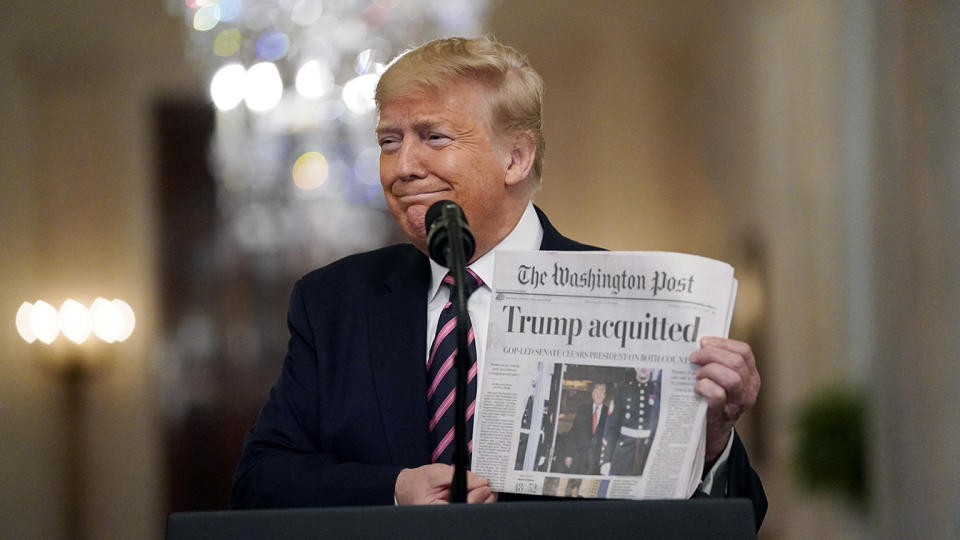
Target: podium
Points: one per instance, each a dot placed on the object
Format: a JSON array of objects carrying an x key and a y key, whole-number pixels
[{"x": 726, "y": 519}]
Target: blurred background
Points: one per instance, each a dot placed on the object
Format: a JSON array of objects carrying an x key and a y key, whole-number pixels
[{"x": 814, "y": 145}]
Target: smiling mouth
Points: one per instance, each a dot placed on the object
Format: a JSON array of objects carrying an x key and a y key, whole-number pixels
[{"x": 413, "y": 198}]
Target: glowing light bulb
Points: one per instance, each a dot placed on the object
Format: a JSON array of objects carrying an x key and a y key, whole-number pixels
[
  {"x": 23, "y": 322},
  {"x": 227, "y": 86},
  {"x": 43, "y": 322},
  {"x": 264, "y": 88},
  {"x": 74, "y": 321},
  {"x": 104, "y": 320},
  {"x": 127, "y": 319}
]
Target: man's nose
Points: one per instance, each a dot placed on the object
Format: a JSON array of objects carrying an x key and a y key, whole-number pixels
[{"x": 410, "y": 160}]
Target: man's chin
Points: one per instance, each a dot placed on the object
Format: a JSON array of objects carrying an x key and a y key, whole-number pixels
[{"x": 415, "y": 225}]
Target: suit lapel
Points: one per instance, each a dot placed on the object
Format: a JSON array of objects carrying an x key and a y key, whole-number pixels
[{"x": 398, "y": 319}]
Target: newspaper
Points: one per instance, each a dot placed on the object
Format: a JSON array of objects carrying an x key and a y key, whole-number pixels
[{"x": 587, "y": 388}]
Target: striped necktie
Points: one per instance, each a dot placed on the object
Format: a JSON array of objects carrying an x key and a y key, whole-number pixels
[{"x": 442, "y": 379}]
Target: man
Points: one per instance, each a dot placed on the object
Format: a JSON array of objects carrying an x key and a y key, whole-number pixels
[
  {"x": 634, "y": 413},
  {"x": 586, "y": 434},
  {"x": 347, "y": 421}
]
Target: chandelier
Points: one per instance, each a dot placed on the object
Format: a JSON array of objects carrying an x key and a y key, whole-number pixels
[{"x": 292, "y": 81}]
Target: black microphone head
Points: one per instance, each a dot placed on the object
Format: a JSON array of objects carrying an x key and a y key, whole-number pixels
[
  {"x": 436, "y": 209},
  {"x": 440, "y": 218}
]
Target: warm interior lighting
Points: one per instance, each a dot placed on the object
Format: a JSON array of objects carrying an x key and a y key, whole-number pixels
[
  {"x": 74, "y": 321},
  {"x": 104, "y": 320},
  {"x": 43, "y": 322},
  {"x": 127, "y": 319},
  {"x": 23, "y": 322},
  {"x": 111, "y": 321}
]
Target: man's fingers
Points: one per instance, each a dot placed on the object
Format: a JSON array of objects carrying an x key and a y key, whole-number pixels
[
  {"x": 479, "y": 494},
  {"x": 737, "y": 356},
  {"x": 715, "y": 395},
  {"x": 728, "y": 351},
  {"x": 729, "y": 379},
  {"x": 474, "y": 481},
  {"x": 428, "y": 484},
  {"x": 440, "y": 474}
]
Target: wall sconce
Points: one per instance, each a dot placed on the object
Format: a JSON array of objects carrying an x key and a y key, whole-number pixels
[{"x": 112, "y": 321}]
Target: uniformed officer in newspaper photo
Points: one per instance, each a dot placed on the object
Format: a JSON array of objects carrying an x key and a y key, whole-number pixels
[{"x": 631, "y": 424}]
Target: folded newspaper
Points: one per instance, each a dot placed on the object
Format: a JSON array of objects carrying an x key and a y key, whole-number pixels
[{"x": 587, "y": 387}]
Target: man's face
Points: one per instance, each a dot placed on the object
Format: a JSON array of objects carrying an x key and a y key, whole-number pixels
[
  {"x": 439, "y": 145},
  {"x": 599, "y": 394},
  {"x": 643, "y": 374}
]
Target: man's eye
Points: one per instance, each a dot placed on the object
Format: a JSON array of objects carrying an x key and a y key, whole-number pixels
[
  {"x": 437, "y": 138},
  {"x": 389, "y": 144}
]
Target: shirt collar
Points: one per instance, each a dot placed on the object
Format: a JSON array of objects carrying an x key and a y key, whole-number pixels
[{"x": 526, "y": 236}]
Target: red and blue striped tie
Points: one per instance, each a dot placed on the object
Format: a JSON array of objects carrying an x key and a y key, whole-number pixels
[{"x": 442, "y": 379}]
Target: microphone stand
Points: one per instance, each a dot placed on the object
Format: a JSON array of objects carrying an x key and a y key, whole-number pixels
[{"x": 457, "y": 266}]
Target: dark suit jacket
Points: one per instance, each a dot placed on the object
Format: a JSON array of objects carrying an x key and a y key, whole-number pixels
[
  {"x": 583, "y": 443},
  {"x": 348, "y": 411}
]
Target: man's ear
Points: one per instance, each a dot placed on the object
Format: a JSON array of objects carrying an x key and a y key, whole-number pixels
[{"x": 519, "y": 161}]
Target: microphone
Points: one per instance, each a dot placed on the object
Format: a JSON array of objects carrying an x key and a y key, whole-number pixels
[
  {"x": 445, "y": 219},
  {"x": 450, "y": 243}
]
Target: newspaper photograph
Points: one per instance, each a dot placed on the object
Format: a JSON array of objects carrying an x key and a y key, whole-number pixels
[{"x": 587, "y": 388}]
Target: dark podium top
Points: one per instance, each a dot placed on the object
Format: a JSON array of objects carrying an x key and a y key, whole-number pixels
[{"x": 724, "y": 519}]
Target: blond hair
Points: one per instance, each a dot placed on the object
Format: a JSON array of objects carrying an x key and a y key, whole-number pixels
[{"x": 515, "y": 89}]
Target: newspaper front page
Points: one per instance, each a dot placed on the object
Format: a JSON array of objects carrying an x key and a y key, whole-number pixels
[{"x": 587, "y": 388}]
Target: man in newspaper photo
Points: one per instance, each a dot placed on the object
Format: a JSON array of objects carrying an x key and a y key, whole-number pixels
[
  {"x": 351, "y": 419},
  {"x": 586, "y": 434}
]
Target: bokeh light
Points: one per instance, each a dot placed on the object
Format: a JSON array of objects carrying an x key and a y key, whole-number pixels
[
  {"x": 310, "y": 171},
  {"x": 272, "y": 45},
  {"x": 227, "y": 42},
  {"x": 367, "y": 166},
  {"x": 206, "y": 18},
  {"x": 306, "y": 12},
  {"x": 227, "y": 86},
  {"x": 43, "y": 321},
  {"x": 358, "y": 93},
  {"x": 23, "y": 322},
  {"x": 364, "y": 61},
  {"x": 74, "y": 321},
  {"x": 108, "y": 320},
  {"x": 112, "y": 321},
  {"x": 314, "y": 79},
  {"x": 104, "y": 320},
  {"x": 127, "y": 321},
  {"x": 264, "y": 88},
  {"x": 230, "y": 10}
]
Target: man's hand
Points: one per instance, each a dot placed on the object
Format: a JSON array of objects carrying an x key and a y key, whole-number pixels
[
  {"x": 729, "y": 381},
  {"x": 430, "y": 484}
]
